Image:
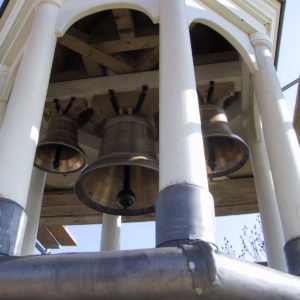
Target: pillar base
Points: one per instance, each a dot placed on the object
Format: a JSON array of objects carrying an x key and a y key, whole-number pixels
[
  {"x": 184, "y": 213},
  {"x": 292, "y": 254},
  {"x": 12, "y": 224}
]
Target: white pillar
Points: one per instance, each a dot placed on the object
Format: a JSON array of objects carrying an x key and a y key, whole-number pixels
[
  {"x": 266, "y": 197},
  {"x": 281, "y": 141},
  {"x": 2, "y": 111},
  {"x": 181, "y": 154},
  {"x": 110, "y": 233},
  {"x": 182, "y": 171},
  {"x": 33, "y": 210},
  {"x": 19, "y": 132}
]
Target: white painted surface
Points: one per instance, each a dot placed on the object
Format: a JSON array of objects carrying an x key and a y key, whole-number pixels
[
  {"x": 73, "y": 10},
  {"x": 21, "y": 123},
  {"x": 267, "y": 202},
  {"x": 33, "y": 210},
  {"x": 181, "y": 146},
  {"x": 2, "y": 111},
  {"x": 281, "y": 141},
  {"x": 201, "y": 13},
  {"x": 110, "y": 234}
]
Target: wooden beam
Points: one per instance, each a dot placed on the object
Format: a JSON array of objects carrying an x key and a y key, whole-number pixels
[
  {"x": 232, "y": 196},
  {"x": 138, "y": 43},
  {"x": 214, "y": 58},
  {"x": 68, "y": 75},
  {"x": 148, "y": 60},
  {"x": 222, "y": 72},
  {"x": 73, "y": 42},
  {"x": 92, "y": 68},
  {"x": 124, "y": 22},
  {"x": 46, "y": 238},
  {"x": 62, "y": 235}
]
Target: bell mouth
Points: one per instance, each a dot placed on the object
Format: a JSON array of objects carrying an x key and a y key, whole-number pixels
[
  {"x": 59, "y": 158},
  {"x": 100, "y": 184},
  {"x": 230, "y": 154}
]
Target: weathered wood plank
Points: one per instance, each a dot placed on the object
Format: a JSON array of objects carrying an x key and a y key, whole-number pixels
[
  {"x": 148, "y": 60},
  {"x": 222, "y": 72},
  {"x": 124, "y": 22},
  {"x": 235, "y": 196},
  {"x": 138, "y": 43},
  {"x": 92, "y": 68},
  {"x": 74, "y": 43},
  {"x": 46, "y": 238},
  {"x": 62, "y": 235}
]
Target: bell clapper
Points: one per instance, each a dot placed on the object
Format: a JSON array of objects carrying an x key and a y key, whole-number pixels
[
  {"x": 56, "y": 160},
  {"x": 126, "y": 197},
  {"x": 212, "y": 161}
]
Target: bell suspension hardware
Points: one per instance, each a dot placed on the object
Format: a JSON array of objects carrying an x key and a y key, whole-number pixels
[{"x": 141, "y": 100}]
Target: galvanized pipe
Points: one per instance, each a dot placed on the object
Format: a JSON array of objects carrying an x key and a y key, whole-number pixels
[{"x": 189, "y": 272}]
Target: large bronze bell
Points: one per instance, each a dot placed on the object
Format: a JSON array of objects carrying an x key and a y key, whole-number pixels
[
  {"x": 58, "y": 151},
  {"x": 124, "y": 178},
  {"x": 225, "y": 152}
]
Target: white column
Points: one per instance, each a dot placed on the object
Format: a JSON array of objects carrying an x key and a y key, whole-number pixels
[
  {"x": 19, "y": 131},
  {"x": 2, "y": 111},
  {"x": 181, "y": 154},
  {"x": 266, "y": 197},
  {"x": 20, "y": 128},
  {"x": 282, "y": 145},
  {"x": 184, "y": 207},
  {"x": 110, "y": 233},
  {"x": 33, "y": 210},
  {"x": 281, "y": 140}
]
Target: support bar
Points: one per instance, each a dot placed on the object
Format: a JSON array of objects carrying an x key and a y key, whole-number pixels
[{"x": 189, "y": 272}]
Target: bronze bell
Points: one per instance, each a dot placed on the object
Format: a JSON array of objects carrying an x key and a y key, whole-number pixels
[
  {"x": 124, "y": 178},
  {"x": 225, "y": 152},
  {"x": 58, "y": 151}
]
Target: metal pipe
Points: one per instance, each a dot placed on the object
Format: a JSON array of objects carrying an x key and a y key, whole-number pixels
[{"x": 189, "y": 272}]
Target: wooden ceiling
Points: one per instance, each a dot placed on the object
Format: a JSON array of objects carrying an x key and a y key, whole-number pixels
[{"x": 125, "y": 41}]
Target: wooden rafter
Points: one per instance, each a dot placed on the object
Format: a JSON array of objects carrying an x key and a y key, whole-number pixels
[
  {"x": 148, "y": 60},
  {"x": 93, "y": 69},
  {"x": 223, "y": 72},
  {"x": 125, "y": 24},
  {"x": 74, "y": 43},
  {"x": 138, "y": 43}
]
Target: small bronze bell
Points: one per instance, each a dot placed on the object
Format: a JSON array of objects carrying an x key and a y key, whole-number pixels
[
  {"x": 225, "y": 152},
  {"x": 58, "y": 151},
  {"x": 124, "y": 178}
]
